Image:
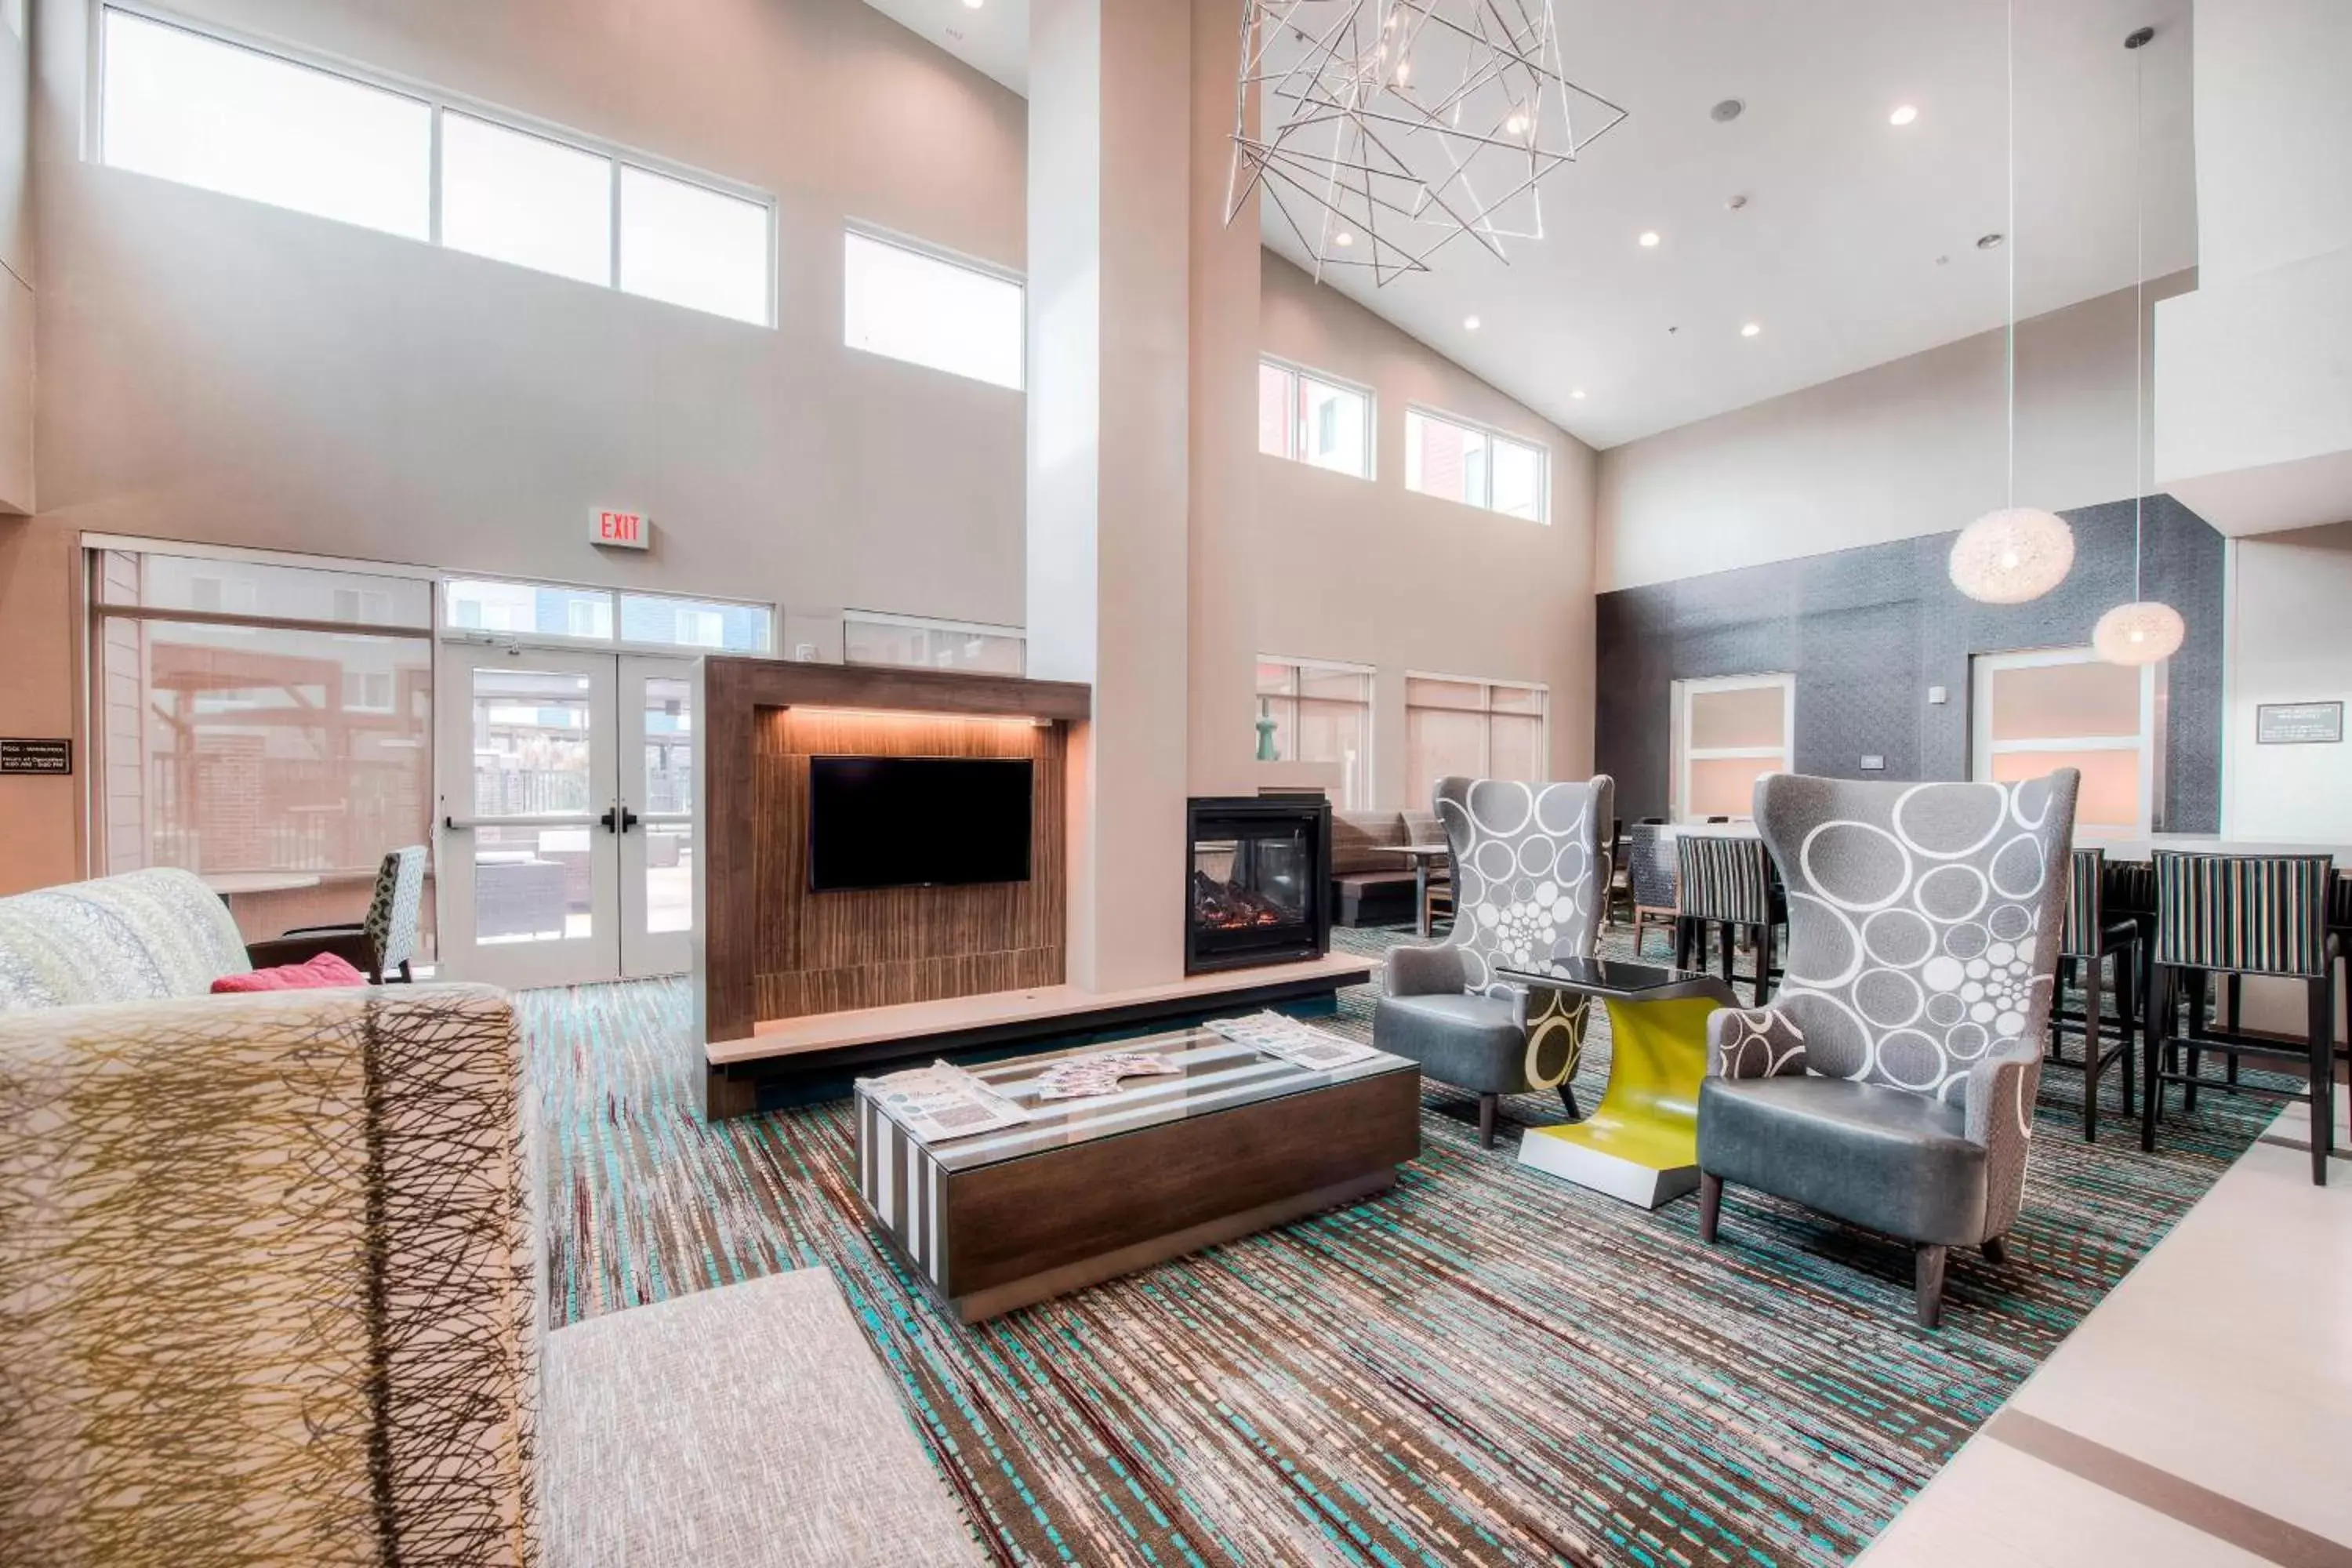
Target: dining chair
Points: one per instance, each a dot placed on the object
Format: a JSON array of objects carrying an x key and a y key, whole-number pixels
[
  {"x": 381, "y": 945},
  {"x": 2235, "y": 915},
  {"x": 1650, "y": 875},
  {"x": 1726, "y": 884},
  {"x": 2094, "y": 938}
]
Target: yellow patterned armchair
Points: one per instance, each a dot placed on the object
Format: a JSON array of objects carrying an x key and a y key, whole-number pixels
[{"x": 269, "y": 1290}]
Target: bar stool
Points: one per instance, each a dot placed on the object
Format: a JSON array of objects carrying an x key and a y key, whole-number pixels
[
  {"x": 1726, "y": 880},
  {"x": 2092, "y": 938},
  {"x": 1650, "y": 876},
  {"x": 2237, "y": 915}
]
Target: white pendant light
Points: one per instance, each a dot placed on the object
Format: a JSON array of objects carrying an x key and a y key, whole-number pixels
[
  {"x": 2145, "y": 630},
  {"x": 2139, "y": 633},
  {"x": 2018, "y": 552}
]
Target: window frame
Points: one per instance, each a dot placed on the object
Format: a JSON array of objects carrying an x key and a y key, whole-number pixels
[
  {"x": 1485, "y": 711},
  {"x": 927, "y": 624},
  {"x": 1294, "y": 377},
  {"x": 95, "y": 612},
  {"x": 1685, "y": 753},
  {"x": 2153, "y": 715},
  {"x": 1350, "y": 783},
  {"x": 447, "y": 630},
  {"x": 1542, "y": 449},
  {"x": 947, "y": 255},
  {"x": 440, "y": 101}
]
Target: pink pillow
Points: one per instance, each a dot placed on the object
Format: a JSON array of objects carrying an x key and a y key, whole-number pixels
[{"x": 321, "y": 972}]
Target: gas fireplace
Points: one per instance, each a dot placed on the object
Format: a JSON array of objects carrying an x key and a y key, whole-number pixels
[{"x": 1260, "y": 887}]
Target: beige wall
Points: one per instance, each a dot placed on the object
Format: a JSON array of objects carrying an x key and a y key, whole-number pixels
[
  {"x": 215, "y": 370},
  {"x": 2287, "y": 644},
  {"x": 1367, "y": 572},
  {"x": 1912, "y": 446},
  {"x": 16, "y": 275}
]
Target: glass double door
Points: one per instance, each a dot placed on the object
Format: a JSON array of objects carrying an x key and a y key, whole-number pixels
[{"x": 565, "y": 822}]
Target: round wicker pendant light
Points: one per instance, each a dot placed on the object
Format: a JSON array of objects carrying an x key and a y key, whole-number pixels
[{"x": 2016, "y": 554}]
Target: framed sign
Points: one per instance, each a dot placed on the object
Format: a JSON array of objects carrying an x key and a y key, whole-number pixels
[
  {"x": 2298, "y": 723},
  {"x": 49, "y": 757}
]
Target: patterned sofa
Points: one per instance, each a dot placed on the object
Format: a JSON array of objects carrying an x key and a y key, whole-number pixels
[
  {"x": 269, "y": 1282},
  {"x": 272, "y": 1294}
]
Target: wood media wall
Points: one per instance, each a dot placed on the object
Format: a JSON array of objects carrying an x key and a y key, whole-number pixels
[{"x": 772, "y": 948}]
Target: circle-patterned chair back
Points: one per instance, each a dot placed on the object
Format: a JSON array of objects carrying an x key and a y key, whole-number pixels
[
  {"x": 1530, "y": 869},
  {"x": 1924, "y": 920}
]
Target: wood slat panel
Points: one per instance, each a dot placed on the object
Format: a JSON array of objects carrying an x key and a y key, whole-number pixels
[
  {"x": 769, "y": 948},
  {"x": 820, "y": 953}
]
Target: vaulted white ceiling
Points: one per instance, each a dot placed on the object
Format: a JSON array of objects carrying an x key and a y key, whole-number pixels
[{"x": 1857, "y": 241}]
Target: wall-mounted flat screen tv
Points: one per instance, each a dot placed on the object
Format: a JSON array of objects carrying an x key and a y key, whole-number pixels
[{"x": 918, "y": 821}]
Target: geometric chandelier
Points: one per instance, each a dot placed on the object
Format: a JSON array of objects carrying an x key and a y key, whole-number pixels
[{"x": 1392, "y": 128}]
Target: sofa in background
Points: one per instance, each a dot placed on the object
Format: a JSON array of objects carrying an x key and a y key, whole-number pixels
[{"x": 1368, "y": 886}]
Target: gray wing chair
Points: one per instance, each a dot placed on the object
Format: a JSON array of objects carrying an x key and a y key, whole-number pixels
[
  {"x": 1890, "y": 1082},
  {"x": 1530, "y": 882}
]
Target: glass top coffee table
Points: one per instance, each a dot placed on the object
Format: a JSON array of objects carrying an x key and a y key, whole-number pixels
[
  {"x": 1641, "y": 1143},
  {"x": 1235, "y": 1141}
]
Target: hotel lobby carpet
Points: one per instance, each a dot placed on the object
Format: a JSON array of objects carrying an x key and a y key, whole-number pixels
[{"x": 1485, "y": 1364}]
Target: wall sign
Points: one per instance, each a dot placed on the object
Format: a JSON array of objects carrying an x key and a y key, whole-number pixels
[
  {"x": 2298, "y": 723},
  {"x": 49, "y": 757},
  {"x": 621, "y": 530}
]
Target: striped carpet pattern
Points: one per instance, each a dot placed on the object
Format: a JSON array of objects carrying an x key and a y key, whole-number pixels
[{"x": 1484, "y": 1366}]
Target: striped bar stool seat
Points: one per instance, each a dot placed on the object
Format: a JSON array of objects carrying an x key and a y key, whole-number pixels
[
  {"x": 1650, "y": 876},
  {"x": 2092, "y": 937},
  {"x": 2235, "y": 915},
  {"x": 1726, "y": 882}
]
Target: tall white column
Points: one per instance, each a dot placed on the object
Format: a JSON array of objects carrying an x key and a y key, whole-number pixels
[
  {"x": 1224, "y": 457},
  {"x": 1110, "y": 188}
]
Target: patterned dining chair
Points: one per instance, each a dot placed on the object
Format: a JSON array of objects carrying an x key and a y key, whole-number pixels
[
  {"x": 1724, "y": 883},
  {"x": 1650, "y": 873},
  {"x": 2235, "y": 915},
  {"x": 1530, "y": 871},
  {"x": 383, "y": 943},
  {"x": 2094, "y": 938},
  {"x": 1890, "y": 1082}
]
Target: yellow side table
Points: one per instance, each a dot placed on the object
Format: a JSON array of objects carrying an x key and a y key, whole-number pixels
[{"x": 1641, "y": 1143}]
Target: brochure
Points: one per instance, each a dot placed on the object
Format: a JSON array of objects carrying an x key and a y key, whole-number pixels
[
  {"x": 941, "y": 1102},
  {"x": 1302, "y": 1044},
  {"x": 1083, "y": 1077}
]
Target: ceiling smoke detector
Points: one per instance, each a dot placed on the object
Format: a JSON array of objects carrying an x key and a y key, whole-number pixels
[
  {"x": 1733, "y": 203},
  {"x": 1727, "y": 111},
  {"x": 1990, "y": 241}
]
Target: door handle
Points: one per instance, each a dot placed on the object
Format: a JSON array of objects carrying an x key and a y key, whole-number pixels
[{"x": 618, "y": 819}]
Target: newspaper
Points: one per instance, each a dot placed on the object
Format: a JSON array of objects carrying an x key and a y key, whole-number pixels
[
  {"x": 1301, "y": 1045},
  {"x": 941, "y": 1102},
  {"x": 1084, "y": 1077}
]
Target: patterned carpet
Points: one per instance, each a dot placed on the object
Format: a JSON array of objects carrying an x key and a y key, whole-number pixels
[{"x": 1484, "y": 1365}]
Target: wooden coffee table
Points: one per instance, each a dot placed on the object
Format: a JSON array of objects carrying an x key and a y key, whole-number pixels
[{"x": 1090, "y": 1189}]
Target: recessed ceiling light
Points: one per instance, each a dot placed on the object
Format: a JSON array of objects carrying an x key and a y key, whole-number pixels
[
  {"x": 1903, "y": 115},
  {"x": 1989, "y": 241},
  {"x": 973, "y": 5},
  {"x": 1727, "y": 111},
  {"x": 1577, "y": 392},
  {"x": 1649, "y": 239},
  {"x": 1343, "y": 238},
  {"x": 1751, "y": 329},
  {"x": 1469, "y": 324}
]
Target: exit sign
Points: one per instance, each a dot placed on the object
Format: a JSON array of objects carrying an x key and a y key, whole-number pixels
[{"x": 626, "y": 530}]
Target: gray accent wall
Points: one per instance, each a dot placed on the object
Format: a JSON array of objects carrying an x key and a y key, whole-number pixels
[{"x": 1867, "y": 631}]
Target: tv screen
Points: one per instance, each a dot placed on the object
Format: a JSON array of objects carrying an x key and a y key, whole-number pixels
[{"x": 914, "y": 822}]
